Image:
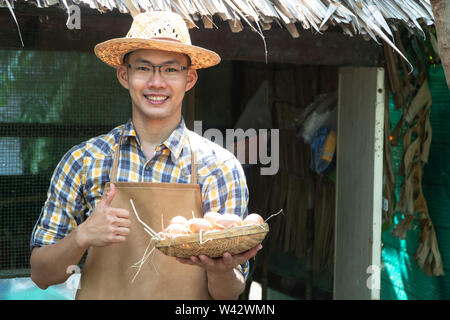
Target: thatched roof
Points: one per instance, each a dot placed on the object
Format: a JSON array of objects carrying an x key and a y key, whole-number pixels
[
  {"x": 371, "y": 18},
  {"x": 367, "y": 17}
]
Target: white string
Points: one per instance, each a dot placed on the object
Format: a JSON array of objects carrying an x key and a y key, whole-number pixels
[
  {"x": 275, "y": 214},
  {"x": 153, "y": 236},
  {"x": 154, "y": 267},
  {"x": 143, "y": 260},
  {"x": 201, "y": 239},
  {"x": 147, "y": 228}
]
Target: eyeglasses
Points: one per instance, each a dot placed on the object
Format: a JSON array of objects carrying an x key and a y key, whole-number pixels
[{"x": 167, "y": 71}]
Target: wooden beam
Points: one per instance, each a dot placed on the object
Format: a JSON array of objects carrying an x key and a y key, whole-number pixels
[
  {"x": 45, "y": 29},
  {"x": 33, "y": 130},
  {"x": 330, "y": 48},
  {"x": 48, "y": 31}
]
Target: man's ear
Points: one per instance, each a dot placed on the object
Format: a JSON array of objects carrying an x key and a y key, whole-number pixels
[
  {"x": 122, "y": 76},
  {"x": 191, "y": 79}
]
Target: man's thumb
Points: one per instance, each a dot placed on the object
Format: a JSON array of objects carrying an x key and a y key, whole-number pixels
[{"x": 110, "y": 196}]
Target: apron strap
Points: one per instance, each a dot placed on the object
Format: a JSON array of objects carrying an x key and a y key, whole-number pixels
[
  {"x": 193, "y": 162},
  {"x": 115, "y": 165},
  {"x": 116, "y": 159}
]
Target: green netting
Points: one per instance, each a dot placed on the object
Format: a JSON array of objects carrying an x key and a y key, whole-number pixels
[
  {"x": 436, "y": 184},
  {"x": 49, "y": 101},
  {"x": 401, "y": 276}
]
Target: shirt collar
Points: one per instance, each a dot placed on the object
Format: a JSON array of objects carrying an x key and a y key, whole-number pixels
[
  {"x": 128, "y": 130},
  {"x": 175, "y": 142}
]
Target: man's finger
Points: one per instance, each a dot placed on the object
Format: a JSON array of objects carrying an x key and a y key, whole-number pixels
[
  {"x": 121, "y": 213},
  {"x": 195, "y": 259},
  {"x": 228, "y": 259},
  {"x": 243, "y": 257},
  {"x": 207, "y": 262},
  {"x": 122, "y": 222},
  {"x": 118, "y": 239},
  {"x": 110, "y": 196},
  {"x": 121, "y": 231}
]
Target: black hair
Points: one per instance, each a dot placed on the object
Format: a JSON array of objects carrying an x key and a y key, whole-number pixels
[{"x": 125, "y": 58}]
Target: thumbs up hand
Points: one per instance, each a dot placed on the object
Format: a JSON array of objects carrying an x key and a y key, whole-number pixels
[
  {"x": 106, "y": 202},
  {"x": 106, "y": 225}
]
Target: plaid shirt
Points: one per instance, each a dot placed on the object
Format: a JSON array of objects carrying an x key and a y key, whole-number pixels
[{"x": 78, "y": 180}]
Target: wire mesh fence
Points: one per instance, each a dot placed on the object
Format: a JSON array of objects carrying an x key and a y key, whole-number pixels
[{"x": 49, "y": 102}]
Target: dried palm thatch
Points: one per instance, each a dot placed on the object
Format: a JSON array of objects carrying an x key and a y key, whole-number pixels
[
  {"x": 371, "y": 18},
  {"x": 411, "y": 93}
]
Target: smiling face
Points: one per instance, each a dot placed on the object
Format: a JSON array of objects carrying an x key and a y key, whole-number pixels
[{"x": 155, "y": 97}]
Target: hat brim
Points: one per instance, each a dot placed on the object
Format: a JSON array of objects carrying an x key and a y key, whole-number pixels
[{"x": 112, "y": 51}]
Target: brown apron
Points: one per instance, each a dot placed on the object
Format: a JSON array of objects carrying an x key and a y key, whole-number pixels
[{"x": 108, "y": 271}]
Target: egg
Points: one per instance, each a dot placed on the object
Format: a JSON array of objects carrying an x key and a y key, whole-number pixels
[
  {"x": 176, "y": 229},
  {"x": 212, "y": 216},
  {"x": 178, "y": 219},
  {"x": 228, "y": 220},
  {"x": 252, "y": 219},
  {"x": 196, "y": 225}
]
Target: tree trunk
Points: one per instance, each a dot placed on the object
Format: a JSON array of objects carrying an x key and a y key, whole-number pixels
[{"x": 441, "y": 12}]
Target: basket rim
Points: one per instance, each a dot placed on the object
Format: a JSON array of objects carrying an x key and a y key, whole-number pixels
[{"x": 215, "y": 235}]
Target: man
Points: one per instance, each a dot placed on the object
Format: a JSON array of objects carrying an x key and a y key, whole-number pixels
[{"x": 153, "y": 160}]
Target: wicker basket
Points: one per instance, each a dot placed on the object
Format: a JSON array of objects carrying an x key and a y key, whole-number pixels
[{"x": 214, "y": 244}]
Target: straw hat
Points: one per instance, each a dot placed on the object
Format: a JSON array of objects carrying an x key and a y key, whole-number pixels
[{"x": 156, "y": 30}]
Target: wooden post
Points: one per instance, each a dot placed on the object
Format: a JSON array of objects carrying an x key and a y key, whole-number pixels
[
  {"x": 190, "y": 109},
  {"x": 310, "y": 239},
  {"x": 359, "y": 183},
  {"x": 441, "y": 12},
  {"x": 265, "y": 274}
]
